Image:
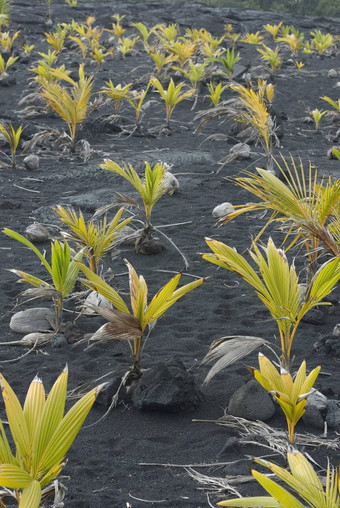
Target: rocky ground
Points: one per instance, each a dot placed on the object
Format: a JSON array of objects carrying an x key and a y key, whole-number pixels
[{"x": 137, "y": 457}]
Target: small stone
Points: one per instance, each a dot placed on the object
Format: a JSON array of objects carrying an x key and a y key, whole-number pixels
[
  {"x": 312, "y": 417},
  {"x": 126, "y": 236},
  {"x": 314, "y": 317},
  {"x": 333, "y": 414},
  {"x": 171, "y": 183},
  {"x": 149, "y": 247},
  {"x": 242, "y": 150},
  {"x": 331, "y": 154},
  {"x": 72, "y": 333},
  {"x": 336, "y": 330},
  {"x": 31, "y": 162},
  {"x": 223, "y": 209},
  {"x": 58, "y": 340},
  {"x": 113, "y": 388},
  {"x": 332, "y": 73},
  {"x": 6, "y": 79},
  {"x": 37, "y": 233},
  {"x": 232, "y": 445},
  {"x": 32, "y": 320},
  {"x": 252, "y": 402},
  {"x": 97, "y": 300},
  {"x": 6, "y": 204},
  {"x": 317, "y": 399},
  {"x": 167, "y": 387}
]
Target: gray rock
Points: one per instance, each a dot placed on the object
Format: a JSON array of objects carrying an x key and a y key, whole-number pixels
[
  {"x": 333, "y": 414},
  {"x": 332, "y": 73},
  {"x": 317, "y": 399},
  {"x": 167, "y": 387},
  {"x": 223, "y": 209},
  {"x": 252, "y": 402},
  {"x": 58, "y": 340},
  {"x": 313, "y": 418},
  {"x": 32, "y": 320},
  {"x": 314, "y": 317},
  {"x": 37, "y": 233},
  {"x": 232, "y": 445},
  {"x": 242, "y": 150},
  {"x": 31, "y": 162}
]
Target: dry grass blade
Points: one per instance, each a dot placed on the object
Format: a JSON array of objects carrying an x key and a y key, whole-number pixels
[
  {"x": 228, "y": 350},
  {"x": 275, "y": 439},
  {"x": 225, "y": 485},
  {"x": 126, "y": 201}
]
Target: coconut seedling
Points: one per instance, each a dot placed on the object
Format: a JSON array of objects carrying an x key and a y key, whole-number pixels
[
  {"x": 126, "y": 325},
  {"x": 291, "y": 394},
  {"x": 161, "y": 60},
  {"x": 316, "y": 114},
  {"x": 250, "y": 110},
  {"x": 252, "y": 38},
  {"x": 117, "y": 29},
  {"x": 299, "y": 65},
  {"x": 62, "y": 270},
  {"x": 145, "y": 33},
  {"x": 28, "y": 48},
  {"x": 278, "y": 287},
  {"x": 303, "y": 482},
  {"x": 12, "y": 137},
  {"x": 303, "y": 208},
  {"x": 7, "y": 40},
  {"x": 182, "y": 50},
  {"x": 71, "y": 104},
  {"x": 5, "y": 65},
  {"x": 336, "y": 105},
  {"x": 166, "y": 33},
  {"x": 42, "y": 436},
  {"x": 87, "y": 31},
  {"x": 295, "y": 42},
  {"x": 229, "y": 60},
  {"x": 136, "y": 99},
  {"x": 95, "y": 240},
  {"x": 215, "y": 92},
  {"x": 171, "y": 96},
  {"x": 126, "y": 45},
  {"x": 321, "y": 42},
  {"x": 5, "y": 13},
  {"x": 117, "y": 93},
  {"x": 273, "y": 29},
  {"x": 271, "y": 56},
  {"x": 56, "y": 39},
  {"x": 151, "y": 188}
]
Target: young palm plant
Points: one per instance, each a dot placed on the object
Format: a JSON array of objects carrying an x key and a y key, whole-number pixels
[
  {"x": 71, "y": 104},
  {"x": 304, "y": 208},
  {"x": 303, "y": 482},
  {"x": 124, "y": 325},
  {"x": 290, "y": 394},
  {"x": 63, "y": 271},
  {"x": 12, "y": 136},
  {"x": 249, "y": 109},
  {"x": 171, "y": 96},
  {"x": 94, "y": 239},
  {"x": 150, "y": 189},
  {"x": 42, "y": 436},
  {"x": 278, "y": 288}
]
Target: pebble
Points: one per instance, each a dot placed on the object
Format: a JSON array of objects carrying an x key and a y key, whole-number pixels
[
  {"x": 37, "y": 233},
  {"x": 223, "y": 209},
  {"x": 32, "y": 320},
  {"x": 252, "y": 402},
  {"x": 31, "y": 162}
]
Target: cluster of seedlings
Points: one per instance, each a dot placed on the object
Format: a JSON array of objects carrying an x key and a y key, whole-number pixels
[{"x": 304, "y": 208}]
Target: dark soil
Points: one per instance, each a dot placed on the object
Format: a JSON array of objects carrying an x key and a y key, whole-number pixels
[{"x": 105, "y": 463}]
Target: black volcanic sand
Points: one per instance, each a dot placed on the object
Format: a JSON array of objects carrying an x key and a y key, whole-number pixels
[{"x": 104, "y": 467}]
